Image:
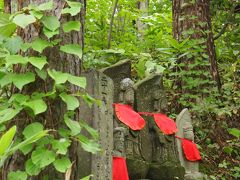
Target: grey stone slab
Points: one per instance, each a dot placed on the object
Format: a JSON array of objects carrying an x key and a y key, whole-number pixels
[{"x": 100, "y": 118}]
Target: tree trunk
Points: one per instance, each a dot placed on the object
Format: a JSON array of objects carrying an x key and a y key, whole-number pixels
[
  {"x": 143, "y": 7},
  {"x": 196, "y": 15},
  {"x": 58, "y": 61}
]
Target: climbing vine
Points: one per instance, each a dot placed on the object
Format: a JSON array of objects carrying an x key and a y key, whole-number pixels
[{"x": 23, "y": 64}]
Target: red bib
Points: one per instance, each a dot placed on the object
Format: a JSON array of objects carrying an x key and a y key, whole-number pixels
[
  {"x": 119, "y": 171},
  {"x": 165, "y": 124},
  {"x": 129, "y": 117},
  {"x": 190, "y": 150}
]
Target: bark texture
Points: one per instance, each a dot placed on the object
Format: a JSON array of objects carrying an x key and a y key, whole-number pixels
[
  {"x": 53, "y": 118},
  {"x": 196, "y": 15}
]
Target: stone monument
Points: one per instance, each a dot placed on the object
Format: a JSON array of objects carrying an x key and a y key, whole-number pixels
[
  {"x": 185, "y": 130},
  {"x": 100, "y": 118},
  {"x": 157, "y": 150}
]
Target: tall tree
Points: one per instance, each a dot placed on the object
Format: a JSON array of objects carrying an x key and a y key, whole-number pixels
[
  {"x": 192, "y": 19},
  {"x": 57, "y": 60}
]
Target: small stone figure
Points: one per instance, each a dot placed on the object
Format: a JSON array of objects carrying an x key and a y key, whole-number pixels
[{"x": 185, "y": 130}]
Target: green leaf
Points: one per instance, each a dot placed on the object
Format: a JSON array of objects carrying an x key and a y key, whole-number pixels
[
  {"x": 38, "y": 62},
  {"x": 41, "y": 73},
  {"x": 78, "y": 81},
  {"x": 13, "y": 44},
  {"x": 24, "y": 20},
  {"x": 8, "y": 114},
  {"x": 7, "y": 28},
  {"x": 7, "y": 79},
  {"x": 20, "y": 98},
  {"x": 93, "y": 132},
  {"x": 37, "y": 14},
  {"x": 31, "y": 168},
  {"x": 25, "y": 46},
  {"x": 62, "y": 164},
  {"x": 15, "y": 59},
  {"x": 20, "y": 80},
  {"x": 38, "y": 106},
  {"x": 45, "y": 6},
  {"x": 6, "y": 140},
  {"x": 71, "y": 26},
  {"x": 50, "y": 33},
  {"x": 61, "y": 145},
  {"x": 235, "y": 132},
  {"x": 87, "y": 177},
  {"x": 74, "y": 126},
  {"x": 32, "y": 129},
  {"x": 28, "y": 141},
  {"x": 42, "y": 157},
  {"x": 26, "y": 149},
  {"x": 88, "y": 144},
  {"x": 58, "y": 76},
  {"x": 51, "y": 22},
  {"x": 73, "y": 9},
  {"x": 74, "y": 49},
  {"x": 71, "y": 101},
  {"x": 17, "y": 175},
  {"x": 40, "y": 44}
]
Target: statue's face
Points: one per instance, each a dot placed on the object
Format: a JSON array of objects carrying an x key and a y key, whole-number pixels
[{"x": 188, "y": 133}]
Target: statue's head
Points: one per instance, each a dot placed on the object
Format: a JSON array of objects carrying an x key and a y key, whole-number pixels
[
  {"x": 188, "y": 132},
  {"x": 127, "y": 91}
]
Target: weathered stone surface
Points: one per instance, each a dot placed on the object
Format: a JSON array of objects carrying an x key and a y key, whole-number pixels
[
  {"x": 117, "y": 73},
  {"x": 156, "y": 149},
  {"x": 185, "y": 130},
  {"x": 100, "y": 87}
]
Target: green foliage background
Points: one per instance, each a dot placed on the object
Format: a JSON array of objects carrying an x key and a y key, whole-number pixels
[{"x": 215, "y": 114}]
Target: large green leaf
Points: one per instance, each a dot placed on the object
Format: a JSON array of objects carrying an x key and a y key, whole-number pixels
[
  {"x": 32, "y": 129},
  {"x": 58, "y": 76},
  {"x": 7, "y": 28},
  {"x": 45, "y": 6},
  {"x": 61, "y": 145},
  {"x": 38, "y": 106},
  {"x": 31, "y": 168},
  {"x": 71, "y": 26},
  {"x": 74, "y": 126},
  {"x": 5, "y": 80},
  {"x": 15, "y": 59},
  {"x": 40, "y": 44},
  {"x": 6, "y": 140},
  {"x": 50, "y": 33},
  {"x": 93, "y": 132},
  {"x": 71, "y": 101},
  {"x": 20, "y": 80},
  {"x": 51, "y": 22},
  {"x": 78, "y": 81},
  {"x": 38, "y": 62},
  {"x": 17, "y": 175},
  {"x": 74, "y": 49},
  {"x": 88, "y": 144},
  {"x": 8, "y": 114},
  {"x": 13, "y": 44},
  {"x": 24, "y": 20},
  {"x": 42, "y": 157},
  {"x": 73, "y": 9},
  {"x": 62, "y": 164}
]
